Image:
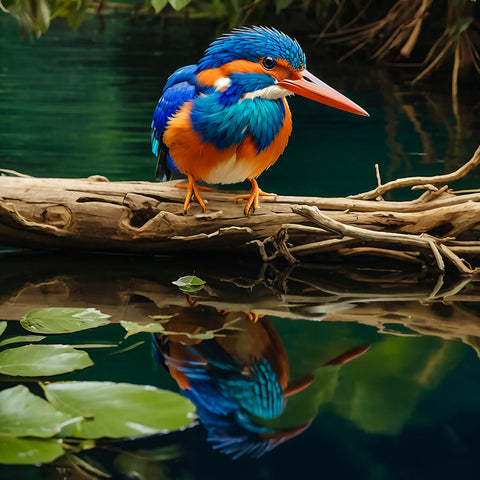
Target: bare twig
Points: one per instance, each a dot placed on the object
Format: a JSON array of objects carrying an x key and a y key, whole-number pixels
[{"x": 410, "y": 181}]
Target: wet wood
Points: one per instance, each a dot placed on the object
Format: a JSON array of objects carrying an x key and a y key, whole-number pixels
[{"x": 440, "y": 229}]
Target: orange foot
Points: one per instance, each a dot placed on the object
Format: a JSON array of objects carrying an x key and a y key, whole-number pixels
[
  {"x": 253, "y": 317},
  {"x": 252, "y": 198},
  {"x": 193, "y": 190}
]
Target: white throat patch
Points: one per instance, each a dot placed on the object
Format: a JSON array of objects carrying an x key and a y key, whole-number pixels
[{"x": 273, "y": 92}]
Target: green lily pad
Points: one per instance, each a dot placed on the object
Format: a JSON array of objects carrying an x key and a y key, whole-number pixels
[
  {"x": 63, "y": 320},
  {"x": 27, "y": 451},
  {"x": 189, "y": 284},
  {"x": 21, "y": 339},
  {"x": 119, "y": 410},
  {"x": 23, "y": 414},
  {"x": 42, "y": 360},
  {"x": 3, "y": 326}
]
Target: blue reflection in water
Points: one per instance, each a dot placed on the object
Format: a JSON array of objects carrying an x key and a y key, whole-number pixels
[{"x": 237, "y": 377}]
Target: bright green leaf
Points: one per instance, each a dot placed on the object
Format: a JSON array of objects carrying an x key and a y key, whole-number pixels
[
  {"x": 119, "y": 410},
  {"x": 21, "y": 339},
  {"x": 27, "y": 451},
  {"x": 3, "y": 326},
  {"x": 158, "y": 5},
  {"x": 42, "y": 360},
  {"x": 63, "y": 320},
  {"x": 24, "y": 414},
  {"x": 179, "y": 4},
  {"x": 132, "y": 328},
  {"x": 189, "y": 284}
]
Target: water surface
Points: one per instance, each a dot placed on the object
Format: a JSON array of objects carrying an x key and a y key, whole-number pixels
[{"x": 80, "y": 103}]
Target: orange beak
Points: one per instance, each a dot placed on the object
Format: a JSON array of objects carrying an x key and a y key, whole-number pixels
[{"x": 313, "y": 88}]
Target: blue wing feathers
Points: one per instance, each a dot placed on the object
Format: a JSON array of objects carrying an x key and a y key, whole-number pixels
[{"x": 179, "y": 89}]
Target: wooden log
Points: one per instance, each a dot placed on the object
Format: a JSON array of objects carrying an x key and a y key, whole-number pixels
[{"x": 142, "y": 217}]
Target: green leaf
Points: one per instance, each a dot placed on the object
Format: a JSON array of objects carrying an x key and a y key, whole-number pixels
[
  {"x": 42, "y": 15},
  {"x": 3, "y": 326},
  {"x": 189, "y": 284},
  {"x": 42, "y": 360},
  {"x": 63, "y": 320},
  {"x": 119, "y": 410},
  {"x": 179, "y": 4},
  {"x": 77, "y": 14},
  {"x": 24, "y": 414},
  {"x": 461, "y": 25},
  {"x": 158, "y": 5},
  {"x": 464, "y": 23},
  {"x": 21, "y": 339},
  {"x": 132, "y": 328},
  {"x": 27, "y": 451}
]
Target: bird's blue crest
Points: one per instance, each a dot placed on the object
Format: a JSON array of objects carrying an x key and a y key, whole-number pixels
[{"x": 253, "y": 43}]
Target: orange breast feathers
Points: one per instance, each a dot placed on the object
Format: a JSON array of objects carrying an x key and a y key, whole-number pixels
[{"x": 204, "y": 162}]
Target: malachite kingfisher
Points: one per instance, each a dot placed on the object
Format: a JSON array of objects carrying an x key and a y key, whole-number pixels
[
  {"x": 238, "y": 377},
  {"x": 226, "y": 119}
]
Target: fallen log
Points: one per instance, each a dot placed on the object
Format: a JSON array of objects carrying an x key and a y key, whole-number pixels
[{"x": 439, "y": 229}]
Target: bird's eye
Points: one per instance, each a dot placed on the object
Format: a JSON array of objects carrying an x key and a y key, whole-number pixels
[{"x": 269, "y": 63}]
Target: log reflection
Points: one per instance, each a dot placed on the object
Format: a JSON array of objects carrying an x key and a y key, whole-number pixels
[{"x": 132, "y": 288}]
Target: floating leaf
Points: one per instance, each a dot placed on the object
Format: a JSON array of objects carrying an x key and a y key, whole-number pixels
[
  {"x": 21, "y": 339},
  {"x": 3, "y": 326},
  {"x": 162, "y": 318},
  {"x": 189, "y": 284},
  {"x": 42, "y": 360},
  {"x": 132, "y": 328},
  {"x": 63, "y": 319},
  {"x": 26, "y": 451},
  {"x": 120, "y": 410},
  {"x": 24, "y": 414}
]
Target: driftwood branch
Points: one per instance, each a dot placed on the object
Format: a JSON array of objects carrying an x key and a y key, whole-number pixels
[
  {"x": 440, "y": 229},
  {"x": 411, "y": 181}
]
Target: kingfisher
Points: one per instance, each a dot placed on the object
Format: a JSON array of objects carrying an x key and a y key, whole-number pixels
[
  {"x": 226, "y": 119},
  {"x": 238, "y": 377}
]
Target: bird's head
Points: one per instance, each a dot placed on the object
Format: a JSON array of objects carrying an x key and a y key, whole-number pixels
[{"x": 263, "y": 62}]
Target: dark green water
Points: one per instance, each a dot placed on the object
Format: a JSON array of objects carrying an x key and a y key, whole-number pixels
[{"x": 79, "y": 103}]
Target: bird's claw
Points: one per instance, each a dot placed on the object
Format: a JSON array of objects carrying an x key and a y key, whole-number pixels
[
  {"x": 252, "y": 197},
  {"x": 193, "y": 191}
]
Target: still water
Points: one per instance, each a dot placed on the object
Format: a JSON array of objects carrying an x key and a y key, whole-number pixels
[{"x": 358, "y": 371}]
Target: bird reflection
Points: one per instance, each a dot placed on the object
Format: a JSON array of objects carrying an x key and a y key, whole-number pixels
[{"x": 233, "y": 366}]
